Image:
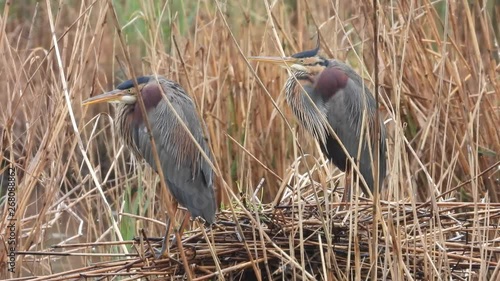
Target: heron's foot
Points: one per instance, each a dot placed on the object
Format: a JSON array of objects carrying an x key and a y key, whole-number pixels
[
  {"x": 165, "y": 246},
  {"x": 159, "y": 253}
]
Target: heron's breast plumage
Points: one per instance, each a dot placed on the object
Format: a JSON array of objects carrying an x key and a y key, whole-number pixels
[{"x": 329, "y": 82}]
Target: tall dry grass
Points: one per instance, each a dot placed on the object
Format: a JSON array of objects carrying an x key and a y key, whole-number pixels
[{"x": 438, "y": 67}]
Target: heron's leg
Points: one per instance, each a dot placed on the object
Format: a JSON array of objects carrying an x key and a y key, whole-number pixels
[
  {"x": 179, "y": 230},
  {"x": 186, "y": 221},
  {"x": 347, "y": 187},
  {"x": 164, "y": 244},
  {"x": 167, "y": 243},
  {"x": 346, "y": 197}
]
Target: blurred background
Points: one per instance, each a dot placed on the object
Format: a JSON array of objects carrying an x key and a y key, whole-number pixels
[{"x": 439, "y": 93}]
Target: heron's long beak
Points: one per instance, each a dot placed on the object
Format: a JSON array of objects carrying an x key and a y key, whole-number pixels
[
  {"x": 281, "y": 61},
  {"x": 112, "y": 96}
]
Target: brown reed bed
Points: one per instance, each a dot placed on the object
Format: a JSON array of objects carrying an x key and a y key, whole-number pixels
[
  {"x": 272, "y": 245},
  {"x": 439, "y": 90}
]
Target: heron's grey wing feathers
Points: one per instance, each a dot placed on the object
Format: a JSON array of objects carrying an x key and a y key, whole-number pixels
[{"x": 187, "y": 173}]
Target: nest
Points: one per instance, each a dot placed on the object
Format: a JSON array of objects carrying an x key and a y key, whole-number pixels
[{"x": 328, "y": 241}]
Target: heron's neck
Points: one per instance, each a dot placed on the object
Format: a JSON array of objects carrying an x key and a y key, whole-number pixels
[
  {"x": 123, "y": 123},
  {"x": 292, "y": 89},
  {"x": 296, "y": 88}
]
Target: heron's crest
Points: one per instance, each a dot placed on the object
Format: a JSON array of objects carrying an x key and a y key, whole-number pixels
[
  {"x": 130, "y": 83},
  {"x": 306, "y": 54}
]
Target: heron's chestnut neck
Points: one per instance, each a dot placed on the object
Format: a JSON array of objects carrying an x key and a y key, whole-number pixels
[
  {"x": 330, "y": 81},
  {"x": 151, "y": 95}
]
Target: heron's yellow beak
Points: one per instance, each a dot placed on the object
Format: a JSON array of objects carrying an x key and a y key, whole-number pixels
[
  {"x": 281, "y": 61},
  {"x": 115, "y": 96}
]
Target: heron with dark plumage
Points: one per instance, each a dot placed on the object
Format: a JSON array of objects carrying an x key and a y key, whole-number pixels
[
  {"x": 325, "y": 93},
  {"x": 187, "y": 173}
]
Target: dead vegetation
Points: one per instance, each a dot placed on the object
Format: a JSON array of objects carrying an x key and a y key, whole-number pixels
[{"x": 81, "y": 200}]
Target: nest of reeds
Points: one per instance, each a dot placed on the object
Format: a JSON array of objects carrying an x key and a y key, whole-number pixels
[{"x": 300, "y": 240}]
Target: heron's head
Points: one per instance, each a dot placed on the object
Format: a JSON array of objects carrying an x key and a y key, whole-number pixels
[
  {"x": 307, "y": 61},
  {"x": 309, "y": 70},
  {"x": 125, "y": 93}
]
